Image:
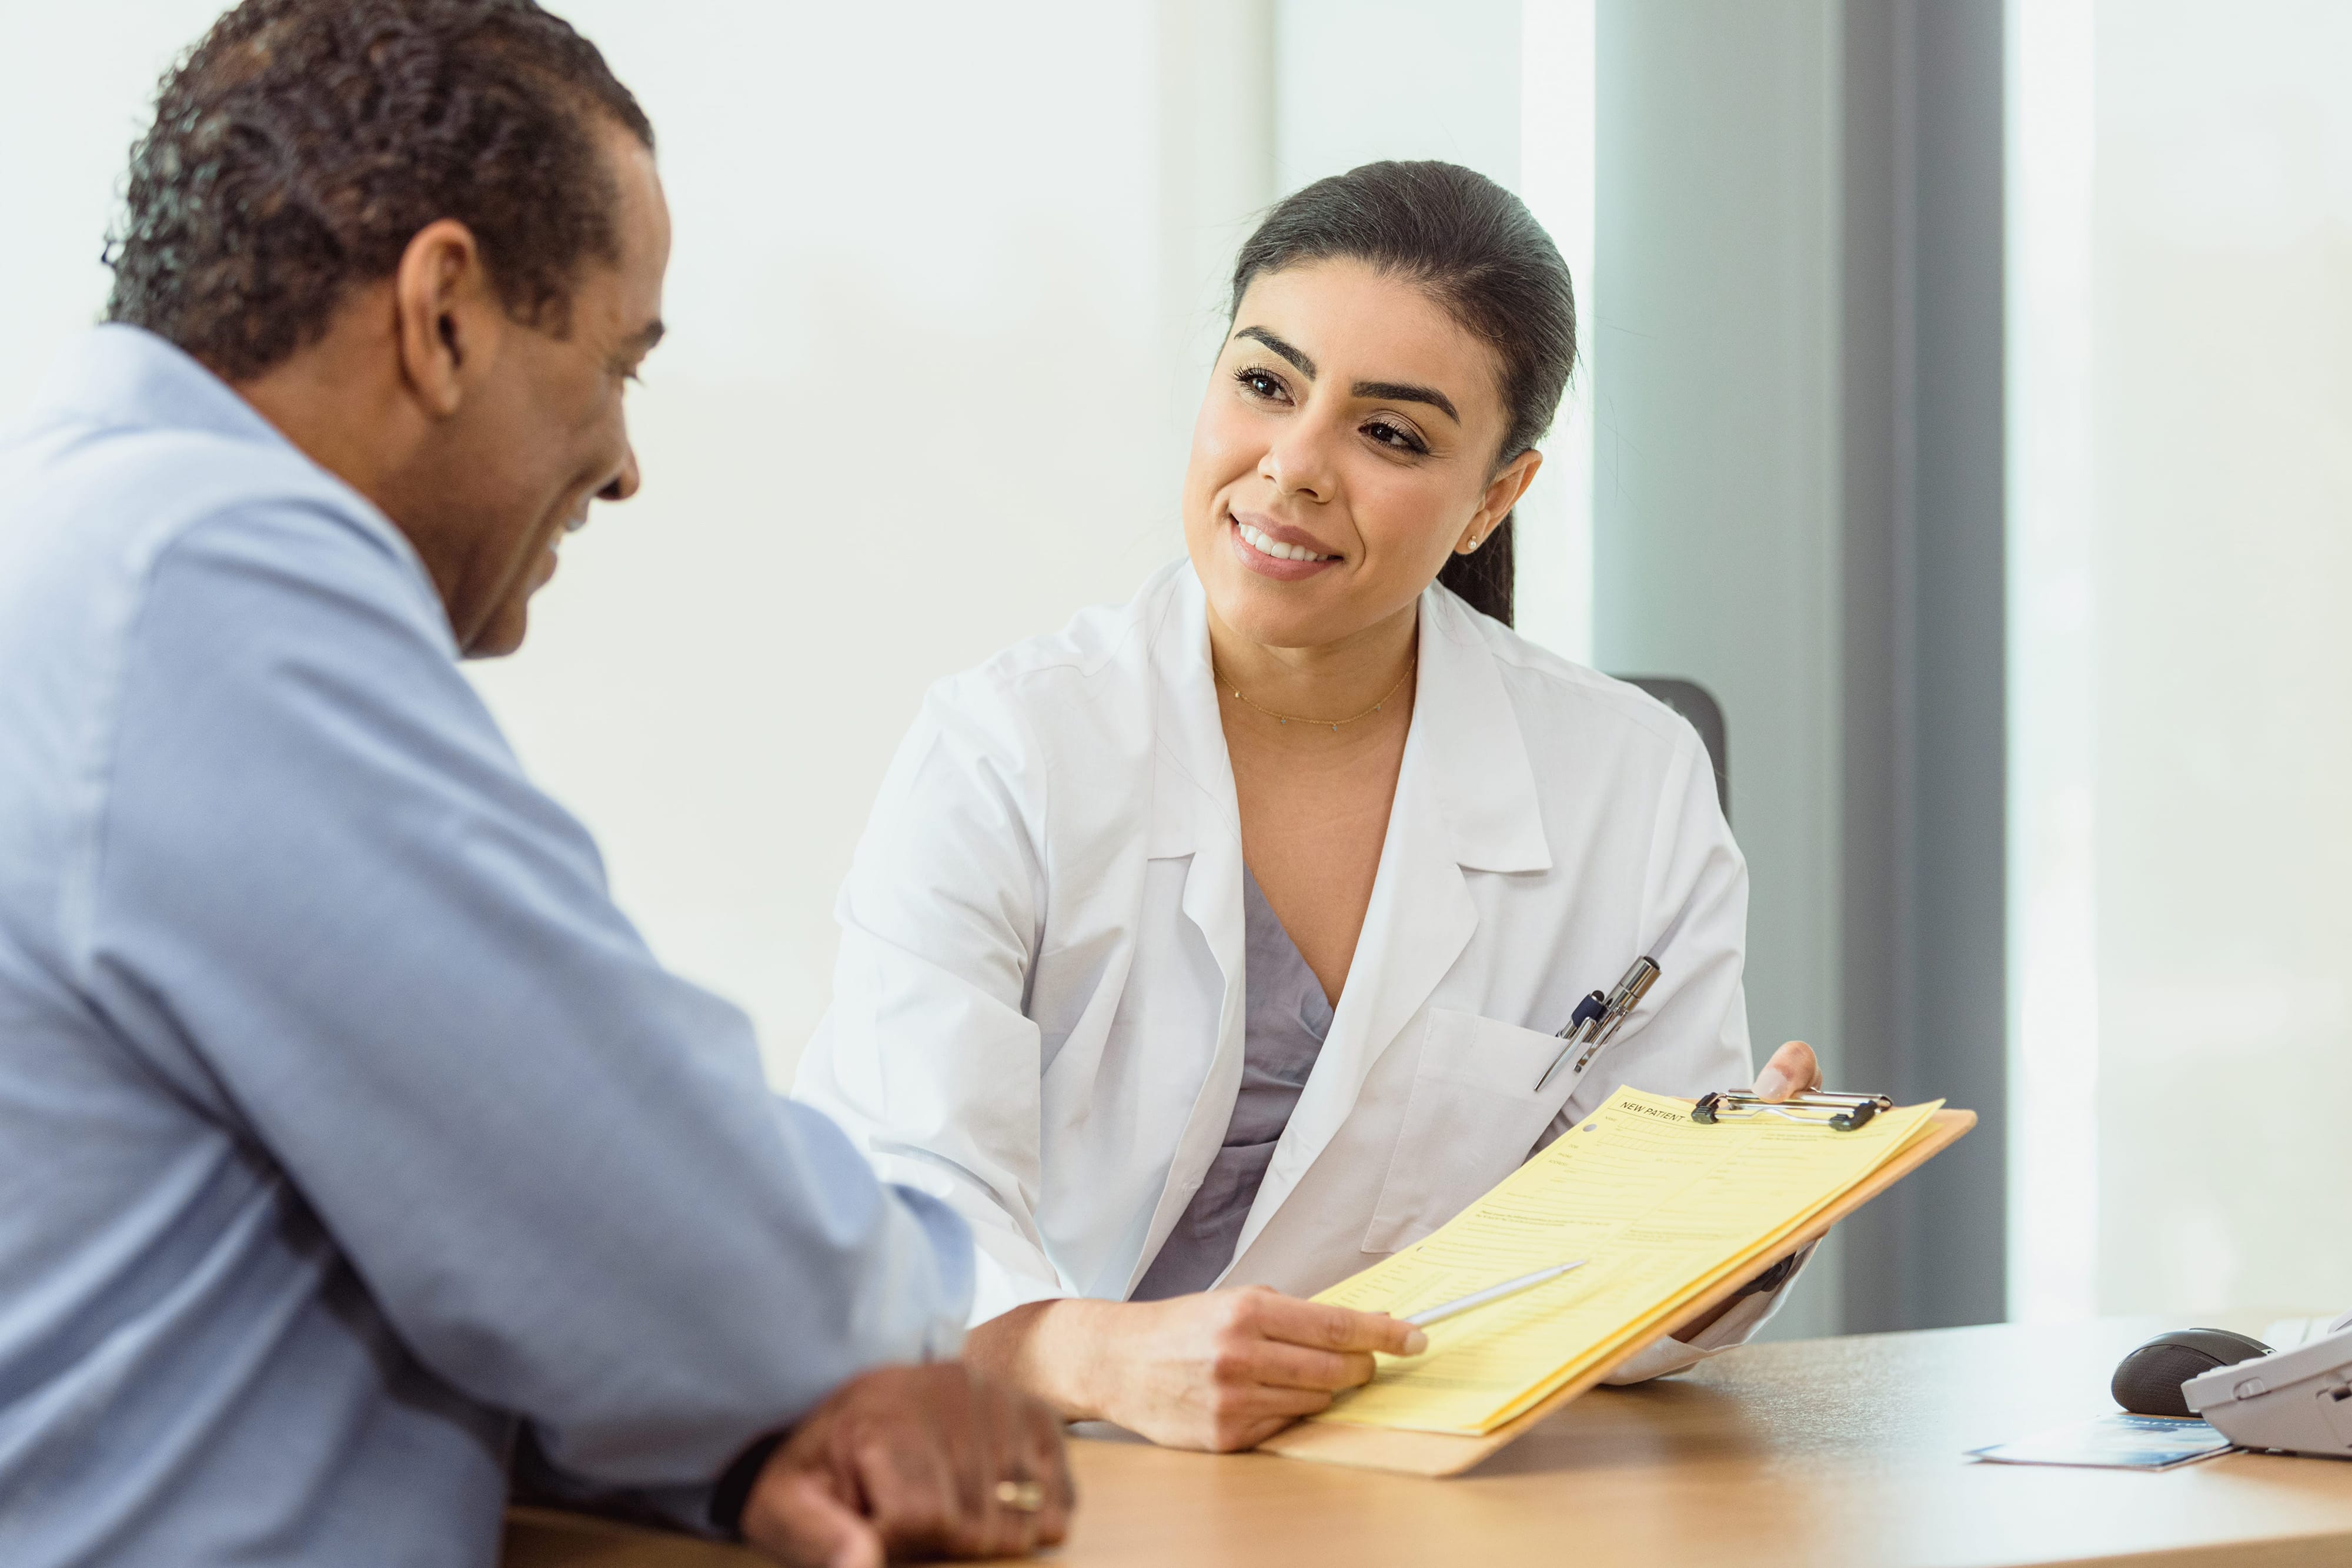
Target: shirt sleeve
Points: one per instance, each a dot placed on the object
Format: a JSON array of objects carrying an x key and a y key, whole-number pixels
[
  {"x": 1747, "y": 1315},
  {"x": 927, "y": 1055},
  {"x": 321, "y": 900},
  {"x": 1690, "y": 1033}
]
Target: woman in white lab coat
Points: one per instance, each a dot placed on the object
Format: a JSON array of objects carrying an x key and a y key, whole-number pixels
[{"x": 1220, "y": 938}]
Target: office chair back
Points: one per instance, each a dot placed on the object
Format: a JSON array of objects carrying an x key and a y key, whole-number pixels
[{"x": 1696, "y": 704}]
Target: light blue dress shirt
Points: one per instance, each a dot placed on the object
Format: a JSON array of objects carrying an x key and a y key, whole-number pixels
[{"x": 345, "y": 1124}]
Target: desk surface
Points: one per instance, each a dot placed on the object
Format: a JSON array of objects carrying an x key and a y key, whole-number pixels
[{"x": 1820, "y": 1453}]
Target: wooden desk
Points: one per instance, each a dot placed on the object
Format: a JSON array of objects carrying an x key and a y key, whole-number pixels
[{"x": 1819, "y": 1454}]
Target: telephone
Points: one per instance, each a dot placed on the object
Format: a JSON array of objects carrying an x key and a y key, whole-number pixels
[{"x": 2297, "y": 1400}]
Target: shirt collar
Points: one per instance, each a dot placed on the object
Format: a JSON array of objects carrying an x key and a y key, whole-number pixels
[
  {"x": 1493, "y": 808},
  {"x": 1468, "y": 732},
  {"x": 118, "y": 375}
]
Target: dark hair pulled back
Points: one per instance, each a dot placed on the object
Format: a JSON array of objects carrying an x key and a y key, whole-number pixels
[{"x": 1481, "y": 253}]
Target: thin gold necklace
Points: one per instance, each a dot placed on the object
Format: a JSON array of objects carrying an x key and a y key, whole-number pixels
[{"x": 1294, "y": 718}]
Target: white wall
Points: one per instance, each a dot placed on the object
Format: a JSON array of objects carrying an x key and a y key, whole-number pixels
[
  {"x": 1359, "y": 80},
  {"x": 943, "y": 290},
  {"x": 2212, "y": 545},
  {"x": 1503, "y": 87},
  {"x": 77, "y": 87},
  {"x": 946, "y": 283},
  {"x": 2052, "y": 696},
  {"x": 927, "y": 391}
]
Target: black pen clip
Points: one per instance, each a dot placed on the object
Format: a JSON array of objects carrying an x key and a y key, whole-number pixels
[
  {"x": 1596, "y": 1018},
  {"x": 1591, "y": 1007}
]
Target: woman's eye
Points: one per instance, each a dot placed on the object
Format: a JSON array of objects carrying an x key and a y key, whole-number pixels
[
  {"x": 1395, "y": 436},
  {"x": 1261, "y": 382}
]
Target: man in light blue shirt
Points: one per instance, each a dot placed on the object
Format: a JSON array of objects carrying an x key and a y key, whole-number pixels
[{"x": 348, "y": 1133}]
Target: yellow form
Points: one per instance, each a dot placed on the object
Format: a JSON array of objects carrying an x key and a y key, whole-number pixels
[{"x": 1660, "y": 1207}]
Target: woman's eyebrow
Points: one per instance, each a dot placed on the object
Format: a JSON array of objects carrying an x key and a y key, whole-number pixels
[
  {"x": 1295, "y": 355},
  {"x": 1400, "y": 392},
  {"x": 1388, "y": 391}
]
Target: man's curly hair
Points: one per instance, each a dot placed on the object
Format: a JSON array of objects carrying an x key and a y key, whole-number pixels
[{"x": 302, "y": 143}]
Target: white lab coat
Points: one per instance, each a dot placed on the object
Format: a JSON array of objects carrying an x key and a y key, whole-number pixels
[{"x": 1037, "y": 1009}]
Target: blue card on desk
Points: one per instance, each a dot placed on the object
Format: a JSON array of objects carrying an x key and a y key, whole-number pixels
[{"x": 2120, "y": 1442}]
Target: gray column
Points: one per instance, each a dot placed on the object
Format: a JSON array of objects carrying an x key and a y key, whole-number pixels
[
  {"x": 1715, "y": 500},
  {"x": 1925, "y": 1000},
  {"x": 1798, "y": 503}
]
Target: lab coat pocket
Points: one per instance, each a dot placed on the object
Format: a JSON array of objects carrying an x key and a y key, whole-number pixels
[{"x": 1471, "y": 1117}]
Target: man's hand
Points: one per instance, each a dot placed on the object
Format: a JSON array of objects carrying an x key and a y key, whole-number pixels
[
  {"x": 914, "y": 1461},
  {"x": 1791, "y": 1071}
]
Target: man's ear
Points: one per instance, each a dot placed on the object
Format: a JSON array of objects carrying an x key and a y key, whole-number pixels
[
  {"x": 1503, "y": 492},
  {"x": 449, "y": 319}
]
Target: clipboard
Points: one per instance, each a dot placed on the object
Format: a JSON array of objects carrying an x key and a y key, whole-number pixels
[{"x": 1440, "y": 1454}]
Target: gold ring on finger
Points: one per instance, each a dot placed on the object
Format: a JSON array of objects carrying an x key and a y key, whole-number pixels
[{"x": 1022, "y": 1497}]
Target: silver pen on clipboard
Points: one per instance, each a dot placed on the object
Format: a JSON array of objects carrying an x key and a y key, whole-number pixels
[
  {"x": 1597, "y": 1017},
  {"x": 1491, "y": 1293}
]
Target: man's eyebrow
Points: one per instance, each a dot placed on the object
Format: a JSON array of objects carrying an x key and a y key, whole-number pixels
[
  {"x": 1297, "y": 355},
  {"x": 1400, "y": 391}
]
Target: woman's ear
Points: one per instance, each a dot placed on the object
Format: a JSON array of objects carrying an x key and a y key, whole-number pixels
[{"x": 1503, "y": 492}]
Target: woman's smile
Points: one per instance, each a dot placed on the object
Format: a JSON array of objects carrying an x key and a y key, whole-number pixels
[{"x": 1272, "y": 550}]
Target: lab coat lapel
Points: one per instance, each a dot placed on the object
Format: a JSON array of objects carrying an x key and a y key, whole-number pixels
[
  {"x": 1466, "y": 799},
  {"x": 1195, "y": 813}
]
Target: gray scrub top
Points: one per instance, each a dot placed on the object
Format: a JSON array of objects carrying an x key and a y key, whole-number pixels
[{"x": 1285, "y": 1019}]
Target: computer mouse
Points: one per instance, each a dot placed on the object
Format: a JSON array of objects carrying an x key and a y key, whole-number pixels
[{"x": 2148, "y": 1381}]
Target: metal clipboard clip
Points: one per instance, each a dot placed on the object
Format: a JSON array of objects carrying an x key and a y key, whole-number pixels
[{"x": 1821, "y": 1108}]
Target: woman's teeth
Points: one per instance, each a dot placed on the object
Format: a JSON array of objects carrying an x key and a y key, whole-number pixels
[{"x": 1265, "y": 544}]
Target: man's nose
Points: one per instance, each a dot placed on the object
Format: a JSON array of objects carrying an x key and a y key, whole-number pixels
[{"x": 624, "y": 484}]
